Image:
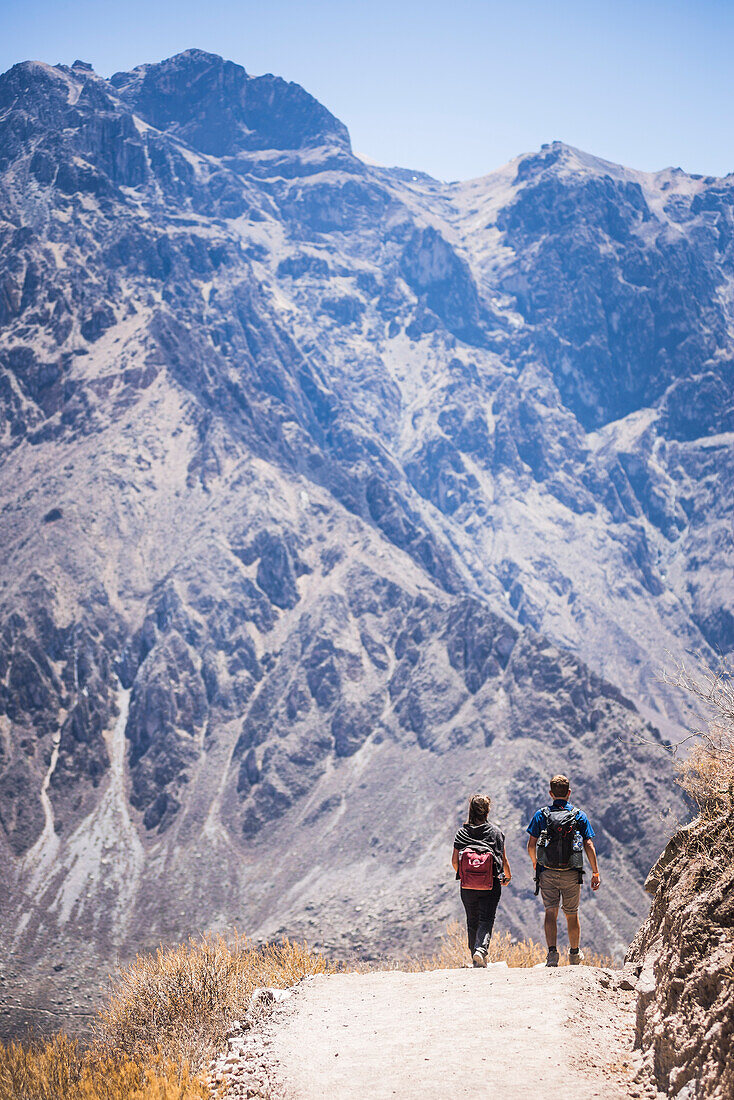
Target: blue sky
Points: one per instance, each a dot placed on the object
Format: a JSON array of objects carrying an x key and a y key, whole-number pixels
[{"x": 455, "y": 89}]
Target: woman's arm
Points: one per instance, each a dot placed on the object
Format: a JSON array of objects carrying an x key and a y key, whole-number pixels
[
  {"x": 455, "y": 859},
  {"x": 506, "y": 867}
]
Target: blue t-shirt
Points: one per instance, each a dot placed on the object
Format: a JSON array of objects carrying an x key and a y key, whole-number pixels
[{"x": 537, "y": 824}]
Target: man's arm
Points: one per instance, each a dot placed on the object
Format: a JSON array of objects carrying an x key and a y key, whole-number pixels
[
  {"x": 532, "y": 849},
  {"x": 591, "y": 856}
]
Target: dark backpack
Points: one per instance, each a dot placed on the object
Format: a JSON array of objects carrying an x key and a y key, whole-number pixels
[
  {"x": 476, "y": 869},
  {"x": 560, "y": 844}
]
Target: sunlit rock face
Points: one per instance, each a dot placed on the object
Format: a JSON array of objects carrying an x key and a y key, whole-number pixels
[{"x": 329, "y": 494}]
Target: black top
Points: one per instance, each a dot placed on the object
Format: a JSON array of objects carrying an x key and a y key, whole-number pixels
[{"x": 482, "y": 838}]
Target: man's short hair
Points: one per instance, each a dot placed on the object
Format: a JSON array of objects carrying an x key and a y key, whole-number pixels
[{"x": 560, "y": 786}]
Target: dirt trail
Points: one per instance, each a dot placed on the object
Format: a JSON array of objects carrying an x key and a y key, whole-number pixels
[{"x": 448, "y": 1034}]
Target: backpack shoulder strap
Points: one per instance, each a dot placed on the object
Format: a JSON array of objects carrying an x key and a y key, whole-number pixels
[{"x": 577, "y": 816}]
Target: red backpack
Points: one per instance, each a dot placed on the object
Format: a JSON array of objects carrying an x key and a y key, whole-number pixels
[{"x": 476, "y": 869}]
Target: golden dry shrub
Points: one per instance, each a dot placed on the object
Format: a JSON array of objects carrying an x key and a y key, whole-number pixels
[
  {"x": 178, "y": 1003},
  {"x": 706, "y": 773},
  {"x": 453, "y": 952},
  {"x": 60, "y": 1069}
]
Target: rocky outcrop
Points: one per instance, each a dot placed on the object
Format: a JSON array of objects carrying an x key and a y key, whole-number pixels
[
  {"x": 683, "y": 961},
  {"x": 611, "y": 339}
]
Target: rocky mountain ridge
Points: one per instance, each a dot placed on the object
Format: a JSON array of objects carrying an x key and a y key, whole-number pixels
[{"x": 328, "y": 492}]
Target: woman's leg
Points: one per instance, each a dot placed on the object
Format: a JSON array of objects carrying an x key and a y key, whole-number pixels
[
  {"x": 469, "y": 901},
  {"x": 487, "y": 909}
]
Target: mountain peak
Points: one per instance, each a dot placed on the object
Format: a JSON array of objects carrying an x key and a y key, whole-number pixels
[
  {"x": 37, "y": 83},
  {"x": 566, "y": 159},
  {"x": 194, "y": 55},
  {"x": 215, "y": 106},
  {"x": 191, "y": 64}
]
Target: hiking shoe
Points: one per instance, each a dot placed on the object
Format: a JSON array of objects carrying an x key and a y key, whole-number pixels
[
  {"x": 552, "y": 957},
  {"x": 479, "y": 958},
  {"x": 575, "y": 957}
]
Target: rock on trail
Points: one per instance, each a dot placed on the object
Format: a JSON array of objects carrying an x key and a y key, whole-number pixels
[{"x": 517, "y": 1033}]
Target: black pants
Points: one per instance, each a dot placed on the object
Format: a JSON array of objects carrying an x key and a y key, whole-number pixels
[{"x": 481, "y": 906}]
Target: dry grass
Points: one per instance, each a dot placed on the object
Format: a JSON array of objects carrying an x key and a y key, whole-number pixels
[
  {"x": 60, "y": 1069},
  {"x": 454, "y": 952},
  {"x": 178, "y": 1003},
  {"x": 707, "y": 776},
  {"x": 707, "y": 773}
]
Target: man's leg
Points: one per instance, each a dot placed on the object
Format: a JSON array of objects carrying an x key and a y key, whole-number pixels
[
  {"x": 574, "y": 929},
  {"x": 570, "y": 897},
  {"x": 551, "y": 927},
  {"x": 551, "y": 896}
]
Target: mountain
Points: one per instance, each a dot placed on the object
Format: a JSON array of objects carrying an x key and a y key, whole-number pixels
[{"x": 331, "y": 492}]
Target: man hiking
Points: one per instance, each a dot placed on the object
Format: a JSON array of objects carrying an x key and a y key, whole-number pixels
[{"x": 559, "y": 835}]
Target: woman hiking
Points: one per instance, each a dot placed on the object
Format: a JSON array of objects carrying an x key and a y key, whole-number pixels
[{"x": 481, "y": 866}]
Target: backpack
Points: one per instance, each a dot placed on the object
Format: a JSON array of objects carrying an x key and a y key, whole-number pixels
[
  {"x": 560, "y": 844},
  {"x": 476, "y": 869}
]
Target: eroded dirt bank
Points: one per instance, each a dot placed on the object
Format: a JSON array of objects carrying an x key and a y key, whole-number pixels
[{"x": 684, "y": 956}]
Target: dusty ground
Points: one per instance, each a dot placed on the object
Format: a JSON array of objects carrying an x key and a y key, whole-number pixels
[{"x": 445, "y": 1034}]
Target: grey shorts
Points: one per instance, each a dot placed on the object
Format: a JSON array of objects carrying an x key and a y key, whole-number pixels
[{"x": 557, "y": 886}]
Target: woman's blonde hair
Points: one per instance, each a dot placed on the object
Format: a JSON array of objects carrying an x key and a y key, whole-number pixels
[{"x": 478, "y": 809}]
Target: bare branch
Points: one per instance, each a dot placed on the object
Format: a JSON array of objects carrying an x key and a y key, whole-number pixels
[{"x": 707, "y": 774}]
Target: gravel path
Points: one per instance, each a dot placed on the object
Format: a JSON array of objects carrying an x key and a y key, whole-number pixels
[{"x": 515, "y": 1033}]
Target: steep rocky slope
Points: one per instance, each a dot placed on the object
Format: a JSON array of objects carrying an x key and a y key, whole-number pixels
[
  {"x": 328, "y": 492},
  {"x": 684, "y": 956}
]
